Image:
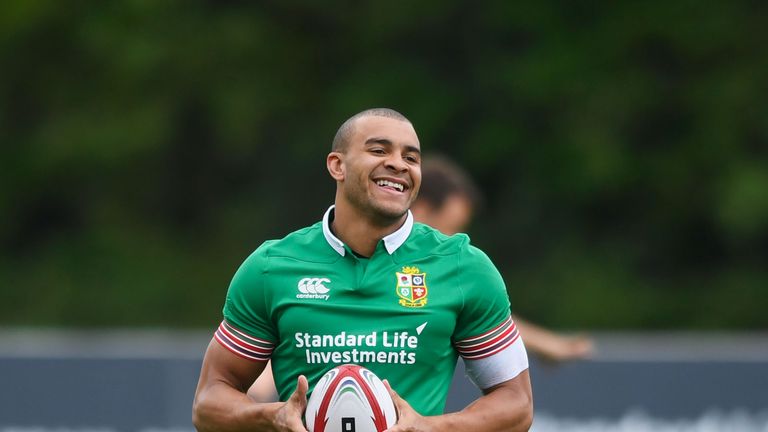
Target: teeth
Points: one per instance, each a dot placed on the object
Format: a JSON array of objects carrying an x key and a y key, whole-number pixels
[{"x": 397, "y": 186}]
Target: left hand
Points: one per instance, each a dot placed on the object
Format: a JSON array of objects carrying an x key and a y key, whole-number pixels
[{"x": 408, "y": 420}]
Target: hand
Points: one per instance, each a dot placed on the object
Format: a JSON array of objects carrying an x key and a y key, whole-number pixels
[
  {"x": 553, "y": 346},
  {"x": 408, "y": 420},
  {"x": 288, "y": 416},
  {"x": 565, "y": 348}
]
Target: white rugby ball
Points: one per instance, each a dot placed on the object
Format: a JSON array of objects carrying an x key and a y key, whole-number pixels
[{"x": 350, "y": 398}]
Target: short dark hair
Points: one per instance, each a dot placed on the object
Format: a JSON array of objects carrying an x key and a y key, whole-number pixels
[
  {"x": 441, "y": 178},
  {"x": 341, "y": 140}
]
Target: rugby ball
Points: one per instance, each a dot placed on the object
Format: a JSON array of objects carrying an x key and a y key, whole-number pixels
[{"x": 349, "y": 398}]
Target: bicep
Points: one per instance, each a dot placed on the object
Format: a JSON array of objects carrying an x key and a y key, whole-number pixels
[
  {"x": 506, "y": 406},
  {"x": 220, "y": 400},
  {"x": 519, "y": 386},
  {"x": 513, "y": 397},
  {"x": 221, "y": 366}
]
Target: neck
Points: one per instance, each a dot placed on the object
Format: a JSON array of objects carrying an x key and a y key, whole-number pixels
[{"x": 360, "y": 232}]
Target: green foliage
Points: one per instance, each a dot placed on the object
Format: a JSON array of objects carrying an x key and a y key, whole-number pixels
[{"x": 148, "y": 147}]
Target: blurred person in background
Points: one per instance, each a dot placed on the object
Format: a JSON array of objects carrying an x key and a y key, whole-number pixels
[{"x": 447, "y": 201}]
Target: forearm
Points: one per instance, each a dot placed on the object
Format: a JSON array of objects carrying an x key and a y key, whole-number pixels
[
  {"x": 221, "y": 408},
  {"x": 552, "y": 345},
  {"x": 503, "y": 409},
  {"x": 537, "y": 339}
]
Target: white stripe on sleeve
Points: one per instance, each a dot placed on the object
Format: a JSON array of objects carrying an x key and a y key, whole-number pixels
[{"x": 500, "y": 367}]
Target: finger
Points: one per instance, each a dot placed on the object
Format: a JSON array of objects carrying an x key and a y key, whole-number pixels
[
  {"x": 391, "y": 391},
  {"x": 400, "y": 404},
  {"x": 393, "y": 394},
  {"x": 395, "y": 427},
  {"x": 296, "y": 405},
  {"x": 302, "y": 385},
  {"x": 299, "y": 395}
]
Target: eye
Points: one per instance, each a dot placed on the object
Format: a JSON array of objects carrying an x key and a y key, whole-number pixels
[
  {"x": 412, "y": 158},
  {"x": 377, "y": 150}
]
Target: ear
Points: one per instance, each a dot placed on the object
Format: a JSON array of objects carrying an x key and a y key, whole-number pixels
[{"x": 335, "y": 164}]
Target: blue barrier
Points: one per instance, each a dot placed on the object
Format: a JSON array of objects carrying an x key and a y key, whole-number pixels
[{"x": 144, "y": 381}]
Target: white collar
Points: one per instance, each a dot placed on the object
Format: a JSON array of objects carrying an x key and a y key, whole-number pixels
[{"x": 391, "y": 242}]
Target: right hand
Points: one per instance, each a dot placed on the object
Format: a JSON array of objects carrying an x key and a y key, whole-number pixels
[{"x": 288, "y": 416}]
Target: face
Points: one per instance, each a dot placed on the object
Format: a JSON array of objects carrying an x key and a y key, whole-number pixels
[
  {"x": 379, "y": 173},
  {"x": 454, "y": 216}
]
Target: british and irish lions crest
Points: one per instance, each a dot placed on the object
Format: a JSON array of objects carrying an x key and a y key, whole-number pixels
[{"x": 412, "y": 287}]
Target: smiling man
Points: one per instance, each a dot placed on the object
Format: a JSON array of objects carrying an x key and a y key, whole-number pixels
[{"x": 367, "y": 285}]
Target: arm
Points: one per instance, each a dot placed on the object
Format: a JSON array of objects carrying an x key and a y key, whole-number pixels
[
  {"x": 221, "y": 403},
  {"x": 553, "y": 346},
  {"x": 504, "y": 407},
  {"x": 263, "y": 389}
]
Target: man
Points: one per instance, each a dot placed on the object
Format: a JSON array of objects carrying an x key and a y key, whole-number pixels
[
  {"x": 368, "y": 286},
  {"x": 447, "y": 201}
]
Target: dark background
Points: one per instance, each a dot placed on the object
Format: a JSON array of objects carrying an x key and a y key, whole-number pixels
[{"x": 146, "y": 148}]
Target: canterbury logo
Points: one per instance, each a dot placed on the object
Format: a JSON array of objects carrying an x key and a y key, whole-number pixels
[{"x": 313, "y": 288}]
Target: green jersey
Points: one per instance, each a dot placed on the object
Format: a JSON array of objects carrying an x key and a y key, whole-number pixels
[{"x": 309, "y": 303}]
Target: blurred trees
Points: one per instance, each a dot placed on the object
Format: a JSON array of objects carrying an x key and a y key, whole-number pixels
[{"x": 148, "y": 147}]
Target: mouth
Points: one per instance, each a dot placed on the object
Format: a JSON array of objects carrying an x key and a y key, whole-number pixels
[{"x": 391, "y": 184}]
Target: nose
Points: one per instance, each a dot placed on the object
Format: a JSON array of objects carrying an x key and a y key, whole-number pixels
[{"x": 395, "y": 162}]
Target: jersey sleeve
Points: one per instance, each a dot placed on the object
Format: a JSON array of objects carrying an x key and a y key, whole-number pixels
[
  {"x": 246, "y": 329},
  {"x": 486, "y": 337},
  {"x": 485, "y": 312}
]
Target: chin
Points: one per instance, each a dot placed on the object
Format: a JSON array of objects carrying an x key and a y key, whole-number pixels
[{"x": 389, "y": 214}]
